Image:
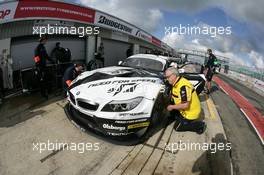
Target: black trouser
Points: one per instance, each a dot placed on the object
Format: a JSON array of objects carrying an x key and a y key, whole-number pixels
[
  {"x": 65, "y": 88},
  {"x": 209, "y": 74},
  {"x": 187, "y": 125},
  {"x": 42, "y": 78}
]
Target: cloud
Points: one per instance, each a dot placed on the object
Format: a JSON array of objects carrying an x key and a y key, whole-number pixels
[
  {"x": 244, "y": 10},
  {"x": 132, "y": 12},
  {"x": 174, "y": 40},
  {"x": 147, "y": 14},
  {"x": 257, "y": 59},
  {"x": 247, "y": 11},
  {"x": 240, "y": 52}
]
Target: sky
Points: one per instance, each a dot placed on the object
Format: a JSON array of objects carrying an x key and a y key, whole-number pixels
[{"x": 244, "y": 46}]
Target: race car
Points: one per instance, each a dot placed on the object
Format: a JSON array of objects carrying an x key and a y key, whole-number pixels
[{"x": 125, "y": 99}]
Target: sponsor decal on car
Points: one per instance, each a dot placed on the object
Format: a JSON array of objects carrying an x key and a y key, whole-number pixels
[
  {"x": 117, "y": 134},
  {"x": 133, "y": 114},
  {"x": 121, "y": 81},
  {"x": 119, "y": 128},
  {"x": 130, "y": 121},
  {"x": 138, "y": 125},
  {"x": 129, "y": 87}
]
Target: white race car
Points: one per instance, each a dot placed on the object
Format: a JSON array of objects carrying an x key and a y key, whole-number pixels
[{"x": 125, "y": 99}]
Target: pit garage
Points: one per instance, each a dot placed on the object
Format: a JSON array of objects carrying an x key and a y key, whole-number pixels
[{"x": 19, "y": 38}]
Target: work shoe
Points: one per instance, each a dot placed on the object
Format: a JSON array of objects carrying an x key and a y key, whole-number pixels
[{"x": 202, "y": 129}]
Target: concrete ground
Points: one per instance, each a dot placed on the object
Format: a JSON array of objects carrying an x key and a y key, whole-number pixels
[{"x": 25, "y": 131}]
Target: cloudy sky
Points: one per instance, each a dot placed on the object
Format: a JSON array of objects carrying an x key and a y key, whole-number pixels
[{"x": 246, "y": 19}]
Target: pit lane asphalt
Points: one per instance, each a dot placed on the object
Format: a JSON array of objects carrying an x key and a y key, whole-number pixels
[
  {"x": 247, "y": 151},
  {"x": 47, "y": 121}
]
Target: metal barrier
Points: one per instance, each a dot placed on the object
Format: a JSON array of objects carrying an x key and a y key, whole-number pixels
[
  {"x": 252, "y": 72},
  {"x": 25, "y": 81}
]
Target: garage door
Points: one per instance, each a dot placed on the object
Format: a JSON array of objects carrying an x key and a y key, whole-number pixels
[{"x": 114, "y": 51}]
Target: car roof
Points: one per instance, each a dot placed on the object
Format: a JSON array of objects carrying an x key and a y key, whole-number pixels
[{"x": 162, "y": 59}]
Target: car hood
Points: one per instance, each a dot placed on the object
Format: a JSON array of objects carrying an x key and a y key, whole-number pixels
[{"x": 116, "y": 83}]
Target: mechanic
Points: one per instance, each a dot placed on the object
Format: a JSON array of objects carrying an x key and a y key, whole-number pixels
[
  {"x": 185, "y": 103},
  {"x": 209, "y": 69},
  {"x": 70, "y": 74},
  {"x": 58, "y": 53},
  {"x": 40, "y": 62}
]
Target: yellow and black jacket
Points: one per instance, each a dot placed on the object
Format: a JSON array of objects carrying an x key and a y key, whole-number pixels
[{"x": 183, "y": 91}]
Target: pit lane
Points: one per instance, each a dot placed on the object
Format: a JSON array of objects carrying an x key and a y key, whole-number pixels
[{"x": 47, "y": 121}]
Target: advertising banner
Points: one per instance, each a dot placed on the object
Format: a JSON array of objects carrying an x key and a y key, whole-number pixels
[
  {"x": 7, "y": 11},
  {"x": 58, "y": 10}
]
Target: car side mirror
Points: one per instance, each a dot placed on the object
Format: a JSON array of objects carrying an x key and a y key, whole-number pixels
[{"x": 120, "y": 62}]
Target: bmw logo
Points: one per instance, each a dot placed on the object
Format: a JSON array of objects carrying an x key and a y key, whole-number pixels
[{"x": 78, "y": 93}]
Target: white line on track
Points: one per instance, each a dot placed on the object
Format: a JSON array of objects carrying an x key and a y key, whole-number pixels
[{"x": 262, "y": 141}]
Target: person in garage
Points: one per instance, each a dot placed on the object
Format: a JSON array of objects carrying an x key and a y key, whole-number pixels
[
  {"x": 209, "y": 69},
  {"x": 101, "y": 53},
  {"x": 58, "y": 53},
  {"x": 95, "y": 63},
  {"x": 129, "y": 51},
  {"x": 185, "y": 103},
  {"x": 62, "y": 57},
  {"x": 70, "y": 74},
  {"x": 40, "y": 59}
]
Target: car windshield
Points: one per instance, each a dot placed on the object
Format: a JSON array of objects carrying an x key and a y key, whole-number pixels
[{"x": 144, "y": 63}]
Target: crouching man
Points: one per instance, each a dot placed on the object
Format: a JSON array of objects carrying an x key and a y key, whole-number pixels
[
  {"x": 70, "y": 74},
  {"x": 185, "y": 103}
]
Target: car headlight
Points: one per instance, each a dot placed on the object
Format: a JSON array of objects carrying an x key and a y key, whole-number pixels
[{"x": 121, "y": 106}]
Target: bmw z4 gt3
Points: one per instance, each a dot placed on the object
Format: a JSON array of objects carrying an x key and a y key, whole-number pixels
[{"x": 125, "y": 99}]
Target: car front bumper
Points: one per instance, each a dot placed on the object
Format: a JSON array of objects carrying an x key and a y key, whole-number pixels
[{"x": 112, "y": 127}]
